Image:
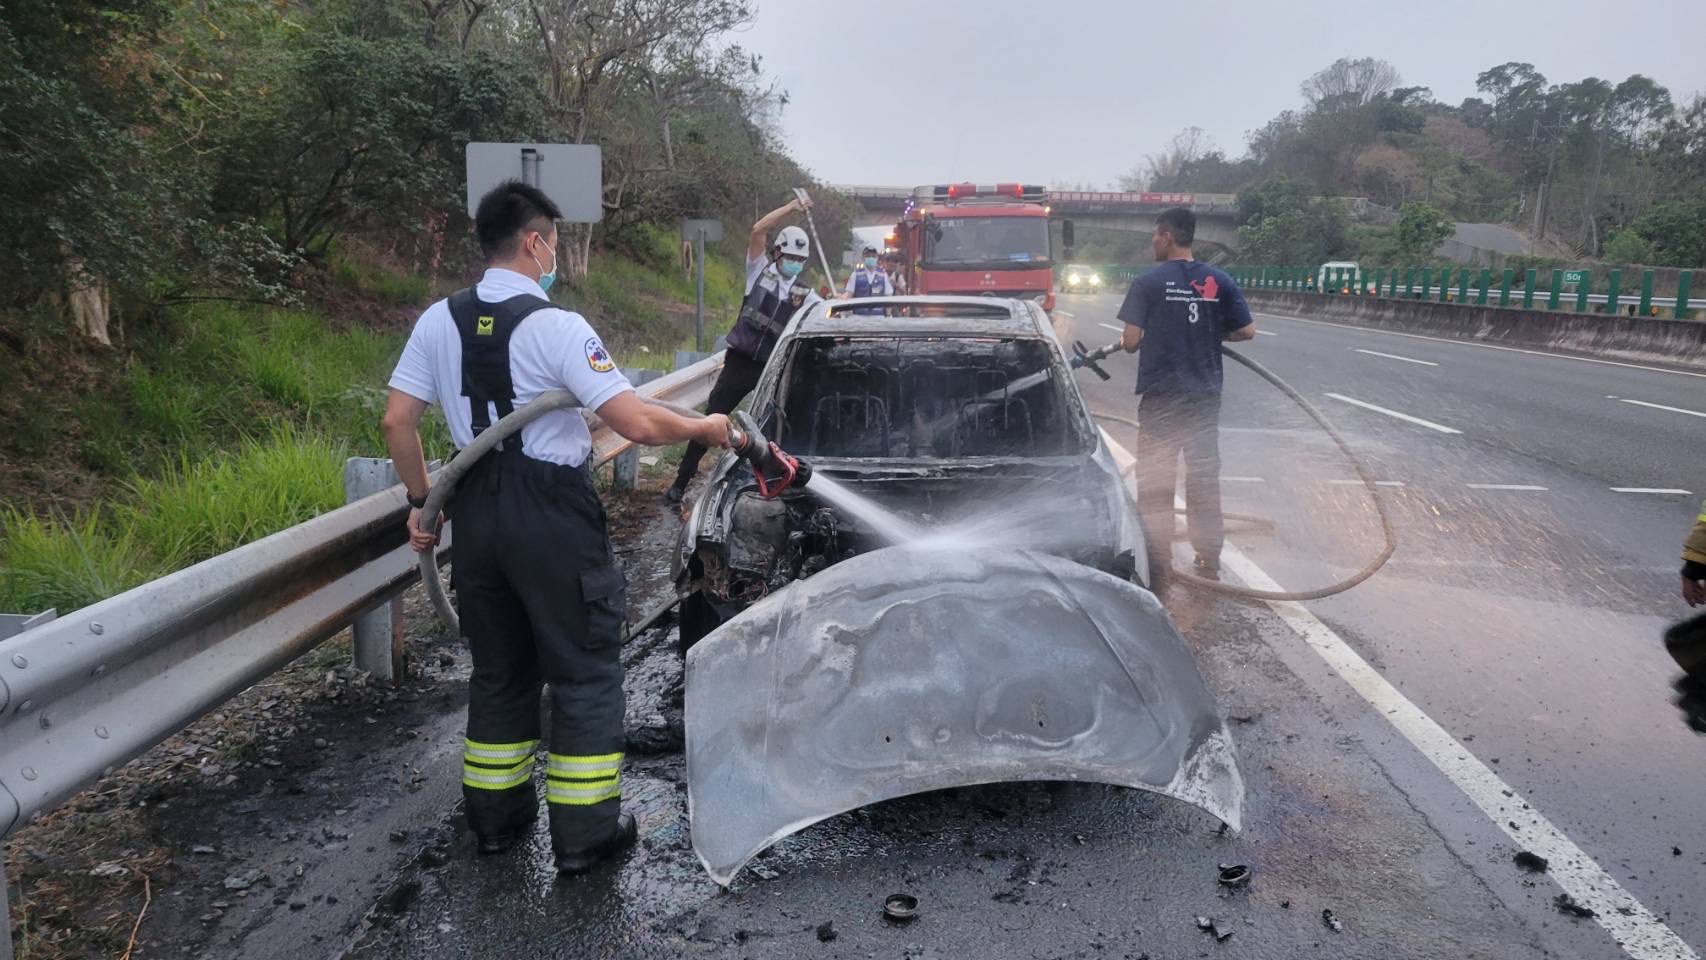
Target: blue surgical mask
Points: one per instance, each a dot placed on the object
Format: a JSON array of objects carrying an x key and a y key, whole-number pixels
[
  {"x": 790, "y": 268},
  {"x": 546, "y": 278},
  {"x": 871, "y": 263}
]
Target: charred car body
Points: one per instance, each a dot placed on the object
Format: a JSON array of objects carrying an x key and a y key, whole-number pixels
[
  {"x": 952, "y": 597},
  {"x": 946, "y": 407}
]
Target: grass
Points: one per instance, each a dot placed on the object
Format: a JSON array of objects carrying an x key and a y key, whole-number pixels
[{"x": 230, "y": 421}]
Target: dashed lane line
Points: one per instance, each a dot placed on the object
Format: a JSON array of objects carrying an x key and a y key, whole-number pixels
[
  {"x": 1503, "y": 486},
  {"x": 1442, "y": 428},
  {"x": 1658, "y": 490},
  {"x": 1109, "y": 326},
  {"x": 1266, "y": 333},
  {"x": 1660, "y": 406},
  {"x": 1640, "y": 933},
  {"x": 1394, "y": 356},
  {"x": 1358, "y": 483}
]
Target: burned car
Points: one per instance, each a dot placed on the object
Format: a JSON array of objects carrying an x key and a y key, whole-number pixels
[
  {"x": 931, "y": 578},
  {"x": 949, "y": 407}
]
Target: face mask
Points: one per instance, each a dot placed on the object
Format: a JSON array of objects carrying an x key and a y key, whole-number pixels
[
  {"x": 870, "y": 263},
  {"x": 546, "y": 279},
  {"x": 790, "y": 268}
]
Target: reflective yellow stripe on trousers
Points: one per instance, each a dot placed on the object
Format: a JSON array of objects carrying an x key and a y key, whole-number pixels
[
  {"x": 583, "y": 780},
  {"x": 497, "y": 766}
]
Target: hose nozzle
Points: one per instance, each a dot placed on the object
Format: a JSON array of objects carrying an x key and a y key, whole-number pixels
[{"x": 775, "y": 470}]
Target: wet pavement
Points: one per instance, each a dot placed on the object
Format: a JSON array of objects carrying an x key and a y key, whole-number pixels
[{"x": 1526, "y": 628}]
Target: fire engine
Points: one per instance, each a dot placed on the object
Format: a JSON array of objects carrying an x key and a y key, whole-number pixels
[{"x": 977, "y": 240}]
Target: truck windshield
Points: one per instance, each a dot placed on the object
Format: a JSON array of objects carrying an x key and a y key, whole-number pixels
[
  {"x": 908, "y": 398},
  {"x": 986, "y": 242}
]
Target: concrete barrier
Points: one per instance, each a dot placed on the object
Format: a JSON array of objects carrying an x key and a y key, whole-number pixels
[{"x": 1678, "y": 343}]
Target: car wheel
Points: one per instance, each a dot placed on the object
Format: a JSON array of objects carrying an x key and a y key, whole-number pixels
[{"x": 698, "y": 619}]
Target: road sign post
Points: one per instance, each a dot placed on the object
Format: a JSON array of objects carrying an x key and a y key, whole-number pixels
[
  {"x": 571, "y": 174},
  {"x": 700, "y": 231}
]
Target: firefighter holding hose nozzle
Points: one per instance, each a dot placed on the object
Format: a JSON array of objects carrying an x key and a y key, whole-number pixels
[
  {"x": 541, "y": 596},
  {"x": 1179, "y": 313}
]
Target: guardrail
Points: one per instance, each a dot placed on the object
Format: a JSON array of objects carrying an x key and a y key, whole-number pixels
[
  {"x": 1565, "y": 289},
  {"x": 86, "y": 693}
]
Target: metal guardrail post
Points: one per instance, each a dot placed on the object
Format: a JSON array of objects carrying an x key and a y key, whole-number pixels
[
  {"x": 1444, "y": 285},
  {"x": 1646, "y": 293},
  {"x": 1486, "y": 287},
  {"x": 1684, "y": 281},
  {"x": 625, "y": 469},
  {"x": 1614, "y": 292},
  {"x": 1528, "y": 281},
  {"x": 1462, "y": 284},
  {"x": 1505, "y": 287},
  {"x": 1557, "y": 288},
  {"x": 1582, "y": 291},
  {"x": 377, "y": 635}
]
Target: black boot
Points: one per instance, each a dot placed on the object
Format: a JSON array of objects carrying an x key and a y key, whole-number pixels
[
  {"x": 583, "y": 860},
  {"x": 499, "y": 842},
  {"x": 1207, "y": 569},
  {"x": 675, "y": 494}
]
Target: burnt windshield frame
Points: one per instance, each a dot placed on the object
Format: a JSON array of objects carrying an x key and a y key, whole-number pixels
[{"x": 929, "y": 425}]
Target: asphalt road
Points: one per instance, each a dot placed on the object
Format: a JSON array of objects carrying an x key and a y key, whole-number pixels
[
  {"x": 1536, "y": 567},
  {"x": 1499, "y": 688}
]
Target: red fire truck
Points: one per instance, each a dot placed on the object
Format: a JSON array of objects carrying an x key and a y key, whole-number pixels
[{"x": 977, "y": 240}]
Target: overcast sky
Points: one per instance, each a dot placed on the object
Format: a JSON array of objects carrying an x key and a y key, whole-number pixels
[{"x": 906, "y": 92}]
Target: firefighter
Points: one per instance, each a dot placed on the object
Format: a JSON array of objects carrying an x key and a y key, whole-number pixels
[
  {"x": 540, "y": 594},
  {"x": 1179, "y": 313},
  {"x": 773, "y": 294},
  {"x": 869, "y": 279},
  {"x": 1694, "y": 562}
]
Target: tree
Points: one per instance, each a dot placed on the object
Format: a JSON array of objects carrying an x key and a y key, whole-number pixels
[
  {"x": 1421, "y": 228},
  {"x": 1187, "y": 147},
  {"x": 1348, "y": 82},
  {"x": 1627, "y": 246},
  {"x": 1280, "y": 222}
]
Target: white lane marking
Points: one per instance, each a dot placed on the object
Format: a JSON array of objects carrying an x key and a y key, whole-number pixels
[
  {"x": 1358, "y": 483},
  {"x": 1662, "y": 490},
  {"x": 1487, "y": 346},
  {"x": 1069, "y": 316},
  {"x": 1266, "y": 333},
  {"x": 1502, "y": 486},
  {"x": 1394, "y": 356},
  {"x": 1641, "y": 934},
  {"x": 1242, "y": 480},
  {"x": 1109, "y": 326},
  {"x": 1658, "y": 406},
  {"x": 1418, "y": 421}
]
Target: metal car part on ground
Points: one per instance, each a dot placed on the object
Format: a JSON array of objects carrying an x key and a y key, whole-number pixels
[{"x": 921, "y": 668}]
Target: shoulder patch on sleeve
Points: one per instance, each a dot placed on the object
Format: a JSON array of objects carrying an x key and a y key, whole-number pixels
[{"x": 597, "y": 357}]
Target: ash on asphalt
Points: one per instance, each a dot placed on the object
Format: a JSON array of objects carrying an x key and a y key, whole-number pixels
[{"x": 1044, "y": 869}]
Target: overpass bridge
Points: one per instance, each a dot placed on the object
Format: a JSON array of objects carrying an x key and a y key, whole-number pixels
[{"x": 1132, "y": 212}]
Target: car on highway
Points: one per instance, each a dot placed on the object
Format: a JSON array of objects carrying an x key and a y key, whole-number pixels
[
  {"x": 1077, "y": 278},
  {"x": 953, "y": 595},
  {"x": 946, "y": 405}
]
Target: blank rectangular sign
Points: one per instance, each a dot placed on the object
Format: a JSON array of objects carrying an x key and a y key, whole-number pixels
[
  {"x": 571, "y": 174},
  {"x": 713, "y": 229}
]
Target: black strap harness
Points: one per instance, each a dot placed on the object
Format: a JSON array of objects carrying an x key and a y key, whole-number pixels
[{"x": 485, "y": 329}]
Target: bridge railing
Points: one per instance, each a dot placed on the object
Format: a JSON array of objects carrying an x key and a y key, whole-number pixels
[{"x": 1580, "y": 290}]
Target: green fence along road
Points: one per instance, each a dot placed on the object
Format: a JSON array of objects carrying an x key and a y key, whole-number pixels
[{"x": 1424, "y": 283}]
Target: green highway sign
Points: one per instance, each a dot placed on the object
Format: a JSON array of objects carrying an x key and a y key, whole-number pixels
[{"x": 1574, "y": 276}]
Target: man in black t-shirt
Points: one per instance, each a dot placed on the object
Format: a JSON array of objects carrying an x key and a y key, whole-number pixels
[{"x": 1179, "y": 313}]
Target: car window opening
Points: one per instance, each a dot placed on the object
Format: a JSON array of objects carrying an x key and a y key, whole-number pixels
[{"x": 905, "y": 398}]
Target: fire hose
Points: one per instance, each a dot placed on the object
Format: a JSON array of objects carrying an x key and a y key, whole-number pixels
[
  {"x": 775, "y": 470},
  {"x": 1090, "y": 359}
]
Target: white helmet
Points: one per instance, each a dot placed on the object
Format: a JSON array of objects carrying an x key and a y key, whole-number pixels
[{"x": 792, "y": 242}]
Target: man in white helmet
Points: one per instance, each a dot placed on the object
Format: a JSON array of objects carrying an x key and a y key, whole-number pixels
[{"x": 773, "y": 293}]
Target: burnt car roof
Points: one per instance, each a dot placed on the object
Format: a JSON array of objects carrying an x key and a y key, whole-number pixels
[{"x": 967, "y": 317}]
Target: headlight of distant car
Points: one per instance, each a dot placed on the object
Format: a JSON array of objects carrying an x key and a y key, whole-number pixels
[
  {"x": 1095, "y": 279},
  {"x": 1072, "y": 278}
]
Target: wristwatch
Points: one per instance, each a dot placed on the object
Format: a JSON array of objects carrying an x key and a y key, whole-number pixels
[{"x": 416, "y": 502}]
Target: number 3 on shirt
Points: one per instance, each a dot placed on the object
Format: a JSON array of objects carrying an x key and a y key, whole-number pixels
[{"x": 1193, "y": 311}]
